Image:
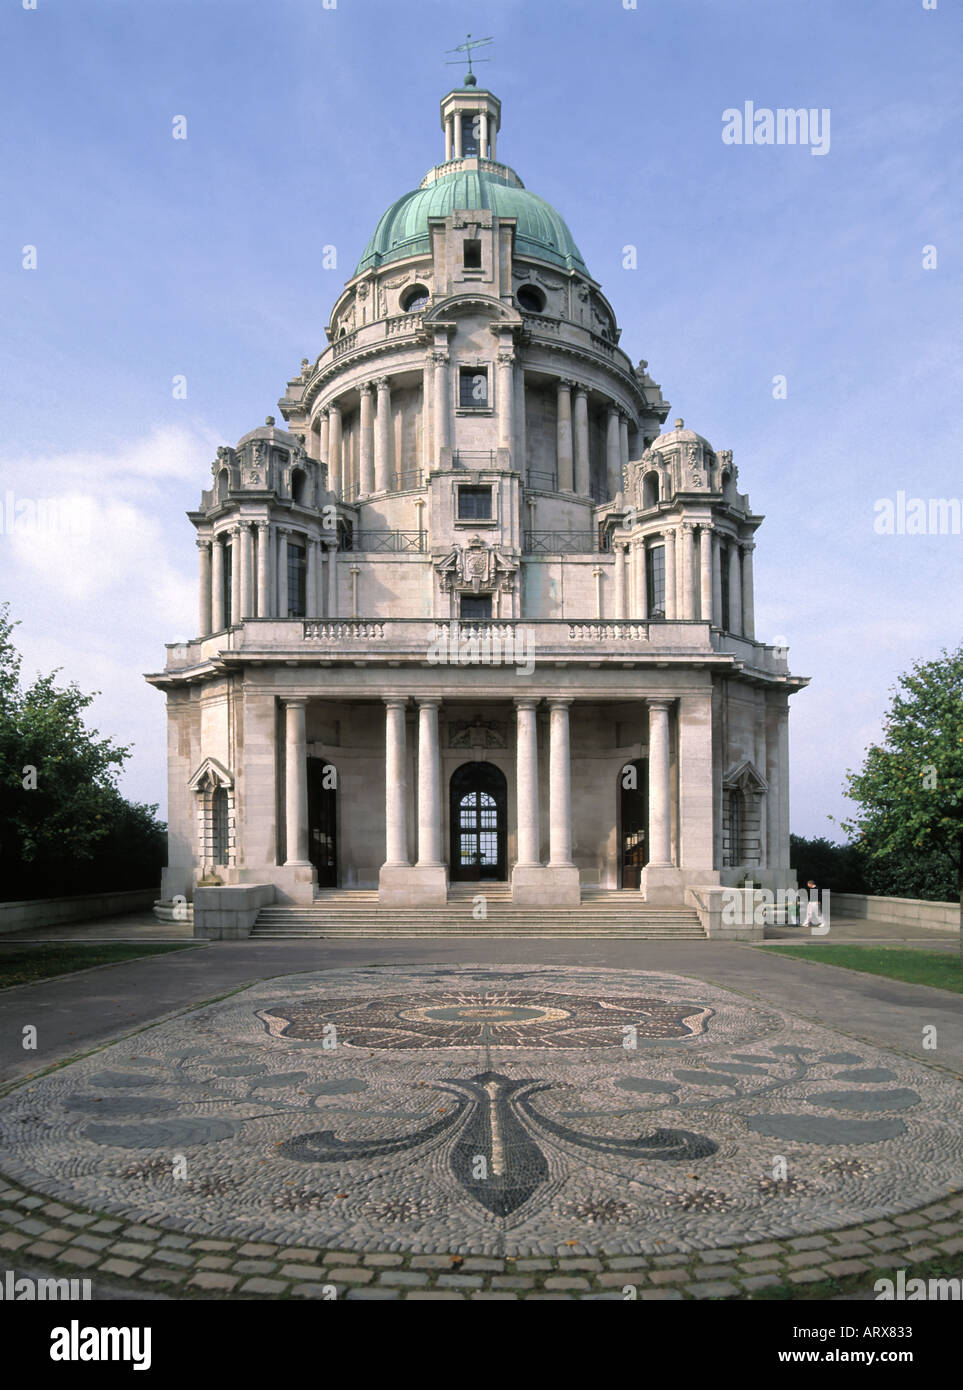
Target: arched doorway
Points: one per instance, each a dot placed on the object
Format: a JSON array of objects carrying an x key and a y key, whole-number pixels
[
  {"x": 633, "y": 822},
  {"x": 323, "y": 820},
  {"x": 479, "y": 822}
]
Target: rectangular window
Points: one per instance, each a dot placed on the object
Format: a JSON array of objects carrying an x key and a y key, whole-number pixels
[
  {"x": 470, "y": 133},
  {"x": 474, "y": 504},
  {"x": 473, "y": 388},
  {"x": 226, "y": 571},
  {"x": 476, "y": 607},
  {"x": 297, "y": 577},
  {"x": 724, "y": 586},
  {"x": 473, "y": 260},
  {"x": 655, "y": 581}
]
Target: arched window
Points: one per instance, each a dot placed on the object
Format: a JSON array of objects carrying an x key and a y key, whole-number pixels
[
  {"x": 299, "y": 484},
  {"x": 650, "y": 490},
  {"x": 221, "y": 488},
  {"x": 219, "y": 826}
]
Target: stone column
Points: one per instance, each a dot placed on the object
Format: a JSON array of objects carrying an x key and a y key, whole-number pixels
[
  {"x": 442, "y": 407},
  {"x": 429, "y": 785},
  {"x": 483, "y": 135},
  {"x": 705, "y": 573},
  {"x": 559, "y": 787},
  {"x": 204, "y": 594},
  {"x": 448, "y": 139},
  {"x": 566, "y": 478},
  {"x": 263, "y": 570},
  {"x": 295, "y": 783},
  {"x": 670, "y": 608},
  {"x": 236, "y": 571},
  {"x": 506, "y": 402},
  {"x": 623, "y": 447},
  {"x": 621, "y": 556},
  {"x": 777, "y": 797},
  {"x": 642, "y": 578},
  {"x": 582, "y": 468},
  {"x": 282, "y": 573},
  {"x": 456, "y": 122},
  {"x": 311, "y": 578},
  {"x": 718, "y": 617},
  {"x": 323, "y": 437},
  {"x": 247, "y": 570},
  {"x": 613, "y": 463},
  {"x": 426, "y": 414},
  {"x": 696, "y": 841},
  {"x": 382, "y": 443},
  {"x": 748, "y": 600},
  {"x": 529, "y": 848},
  {"x": 337, "y": 480},
  {"x": 366, "y": 443},
  {"x": 661, "y": 880},
  {"x": 660, "y": 840},
  {"x": 332, "y": 604},
  {"x": 684, "y": 560},
  {"x": 735, "y": 590},
  {"x": 217, "y": 585},
  {"x": 396, "y": 785}
]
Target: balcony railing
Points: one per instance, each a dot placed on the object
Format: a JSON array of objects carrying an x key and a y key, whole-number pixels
[
  {"x": 545, "y": 482},
  {"x": 474, "y": 458},
  {"x": 561, "y": 542},
  {"x": 407, "y": 480},
  {"x": 388, "y": 542}
]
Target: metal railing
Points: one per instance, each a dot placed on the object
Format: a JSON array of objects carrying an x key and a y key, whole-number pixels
[
  {"x": 389, "y": 542},
  {"x": 546, "y": 482},
  {"x": 410, "y": 478},
  {"x": 473, "y": 458},
  {"x": 560, "y": 542}
]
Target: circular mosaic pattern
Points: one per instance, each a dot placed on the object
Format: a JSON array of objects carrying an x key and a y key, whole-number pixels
[{"x": 499, "y": 1110}]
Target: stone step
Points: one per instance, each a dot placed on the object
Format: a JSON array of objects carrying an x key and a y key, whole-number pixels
[{"x": 616, "y": 933}]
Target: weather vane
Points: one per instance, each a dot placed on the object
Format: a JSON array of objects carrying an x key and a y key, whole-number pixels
[{"x": 466, "y": 48}]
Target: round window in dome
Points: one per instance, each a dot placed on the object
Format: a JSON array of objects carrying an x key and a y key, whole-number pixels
[
  {"x": 528, "y": 297},
  {"x": 413, "y": 299}
]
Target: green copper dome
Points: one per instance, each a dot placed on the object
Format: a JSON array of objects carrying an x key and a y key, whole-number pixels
[{"x": 540, "y": 231}]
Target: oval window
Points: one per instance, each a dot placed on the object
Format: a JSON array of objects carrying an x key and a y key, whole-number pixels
[
  {"x": 528, "y": 297},
  {"x": 414, "y": 298}
]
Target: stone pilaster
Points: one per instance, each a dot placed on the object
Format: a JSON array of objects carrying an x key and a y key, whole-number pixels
[
  {"x": 264, "y": 596},
  {"x": 217, "y": 585},
  {"x": 661, "y": 880},
  {"x": 748, "y": 598},
  {"x": 705, "y": 573},
  {"x": 613, "y": 461},
  {"x": 366, "y": 442}
]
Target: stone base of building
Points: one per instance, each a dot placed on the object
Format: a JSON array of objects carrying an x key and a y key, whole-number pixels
[
  {"x": 413, "y": 885},
  {"x": 546, "y": 886}
]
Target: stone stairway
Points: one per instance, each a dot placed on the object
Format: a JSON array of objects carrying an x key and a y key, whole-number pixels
[{"x": 343, "y": 913}]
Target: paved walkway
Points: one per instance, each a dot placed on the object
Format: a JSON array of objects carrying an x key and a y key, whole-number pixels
[{"x": 753, "y": 997}]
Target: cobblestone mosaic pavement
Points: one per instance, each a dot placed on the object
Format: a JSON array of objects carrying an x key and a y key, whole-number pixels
[{"x": 473, "y": 1113}]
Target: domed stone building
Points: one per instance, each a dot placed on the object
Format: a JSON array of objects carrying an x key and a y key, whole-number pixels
[{"x": 471, "y": 617}]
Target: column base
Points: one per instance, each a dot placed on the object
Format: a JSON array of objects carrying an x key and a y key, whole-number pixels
[
  {"x": 413, "y": 885},
  {"x": 546, "y": 886},
  {"x": 295, "y": 883},
  {"x": 662, "y": 885}
]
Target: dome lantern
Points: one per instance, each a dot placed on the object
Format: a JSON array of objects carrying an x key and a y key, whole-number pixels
[{"x": 470, "y": 118}]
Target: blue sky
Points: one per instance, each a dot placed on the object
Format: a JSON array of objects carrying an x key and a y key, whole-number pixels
[{"x": 203, "y": 257}]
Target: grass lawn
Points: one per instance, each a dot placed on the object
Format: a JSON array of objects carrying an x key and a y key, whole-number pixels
[
  {"x": 22, "y": 964},
  {"x": 941, "y": 969}
]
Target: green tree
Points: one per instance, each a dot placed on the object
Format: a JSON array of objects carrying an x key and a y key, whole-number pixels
[
  {"x": 910, "y": 789},
  {"x": 64, "y": 827}
]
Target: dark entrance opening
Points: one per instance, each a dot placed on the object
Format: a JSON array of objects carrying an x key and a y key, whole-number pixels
[
  {"x": 633, "y": 822},
  {"x": 479, "y": 822},
  {"x": 323, "y": 820}
]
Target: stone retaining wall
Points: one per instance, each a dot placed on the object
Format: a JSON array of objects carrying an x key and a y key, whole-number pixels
[
  {"x": 50, "y": 912},
  {"x": 911, "y": 912}
]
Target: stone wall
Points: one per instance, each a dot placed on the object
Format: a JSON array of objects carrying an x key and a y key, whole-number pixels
[
  {"x": 50, "y": 912},
  {"x": 910, "y": 912}
]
